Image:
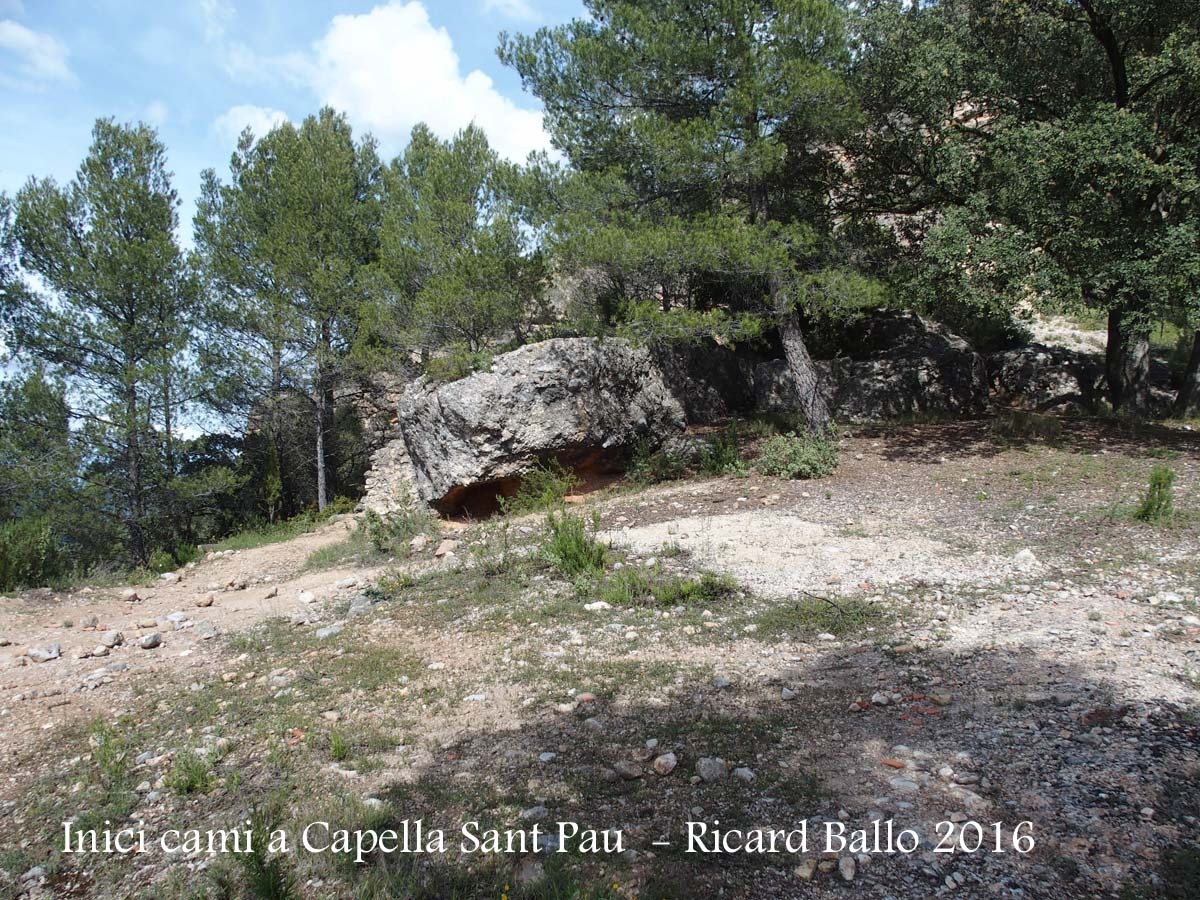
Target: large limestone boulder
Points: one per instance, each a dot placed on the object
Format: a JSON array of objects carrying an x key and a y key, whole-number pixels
[
  {"x": 584, "y": 402},
  {"x": 1047, "y": 379},
  {"x": 897, "y": 364}
]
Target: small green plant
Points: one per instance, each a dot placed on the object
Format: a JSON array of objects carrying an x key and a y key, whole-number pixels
[
  {"x": 542, "y": 487},
  {"x": 457, "y": 361},
  {"x": 190, "y": 773},
  {"x": 390, "y": 534},
  {"x": 634, "y": 586},
  {"x": 1158, "y": 503},
  {"x": 339, "y": 747},
  {"x": 794, "y": 456},
  {"x": 267, "y": 877},
  {"x": 109, "y": 752},
  {"x": 570, "y": 545},
  {"x": 647, "y": 468},
  {"x": 722, "y": 455}
]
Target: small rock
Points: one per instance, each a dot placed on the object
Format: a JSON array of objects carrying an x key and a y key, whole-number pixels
[
  {"x": 627, "y": 769},
  {"x": 597, "y": 606},
  {"x": 150, "y": 641},
  {"x": 547, "y": 757},
  {"x": 710, "y": 768},
  {"x": 205, "y": 601},
  {"x": 44, "y": 654},
  {"x": 743, "y": 773},
  {"x": 665, "y": 764},
  {"x": 306, "y": 597},
  {"x": 846, "y": 868},
  {"x": 446, "y": 548},
  {"x": 419, "y": 543},
  {"x": 271, "y": 594},
  {"x": 534, "y": 813},
  {"x": 328, "y": 631},
  {"x": 787, "y": 694},
  {"x": 806, "y": 870}
]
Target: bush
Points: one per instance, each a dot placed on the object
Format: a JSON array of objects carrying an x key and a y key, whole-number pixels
[
  {"x": 190, "y": 773},
  {"x": 542, "y": 487},
  {"x": 793, "y": 456},
  {"x": 646, "y": 468},
  {"x": 571, "y": 547},
  {"x": 29, "y": 555},
  {"x": 723, "y": 455},
  {"x": 391, "y": 533},
  {"x": 633, "y": 586},
  {"x": 1158, "y": 504},
  {"x": 457, "y": 361}
]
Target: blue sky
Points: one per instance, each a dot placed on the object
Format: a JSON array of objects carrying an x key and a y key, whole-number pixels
[{"x": 200, "y": 70}]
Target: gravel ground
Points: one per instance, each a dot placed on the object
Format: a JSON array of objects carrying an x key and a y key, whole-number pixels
[{"x": 999, "y": 642}]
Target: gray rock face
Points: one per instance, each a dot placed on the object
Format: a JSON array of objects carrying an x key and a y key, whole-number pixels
[
  {"x": 711, "y": 382},
  {"x": 581, "y": 401},
  {"x": 899, "y": 364},
  {"x": 1046, "y": 379}
]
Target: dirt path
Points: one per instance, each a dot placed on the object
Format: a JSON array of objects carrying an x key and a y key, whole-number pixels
[{"x": 247, "y": 586}]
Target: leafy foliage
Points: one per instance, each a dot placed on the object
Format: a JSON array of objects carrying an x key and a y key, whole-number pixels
[
  {"x": 542, "y": 487},
  {"x": 570, "y": 545},
  {"x": 1158, "y": 504},
  {"x": 795, "y": 456}
]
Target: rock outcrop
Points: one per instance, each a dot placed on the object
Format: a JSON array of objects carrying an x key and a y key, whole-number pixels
[
  {"x": 899, "y": 364},
  {"x": 710, "y": 381},
  {"x": 1047, "y": 379},
  {"x": 583, "y": 402}
]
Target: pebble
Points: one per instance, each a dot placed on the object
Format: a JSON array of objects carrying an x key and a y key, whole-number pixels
[
  {"x": 743, "y": 773},
  {"x": 846, "y": 868},
  {"x": 665, "y": 764},
  {"x": 328, "y": 631},
  {"x": 710, "y": 768},
  {"x": 806, "y": 870},
  {"x": 150, "y": 641},
  {"x": 205, "y": 601},
  {"x": 787, "y": 694},
  {"x": 44, "y": 654}
]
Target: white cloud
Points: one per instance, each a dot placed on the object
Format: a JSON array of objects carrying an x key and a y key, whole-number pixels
[
  {"x": 39, "y": 58},
  {"x": 390, "y": 68},
  {"x": 156, "y": 113},
  {"x": 260, "y": 119},
  {"x": 217, "y": 15},
  {"x": 513, "y": 9}
]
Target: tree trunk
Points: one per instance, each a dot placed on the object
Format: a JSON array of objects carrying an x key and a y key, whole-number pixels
[
  {"x": 1187, "y": 403},
  {"x": 133, "y": 472},
  {"x": 321, "y": 415},
  {"x": 1127, "y": 363},
  {"x": 804, "y": 374}
]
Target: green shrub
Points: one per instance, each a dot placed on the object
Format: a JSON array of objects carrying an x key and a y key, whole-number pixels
[
  {"x": 1158, "y": 504},
  {"x": 29, "y": 554},
  {"x": 542, "y": 487},
  {"x": 723, "y": 455},
  {"x": 190, "y": 773},
  {"x": 646, "y": 467},
  {"x": 795, "y": 456},
  {"x": 457, "y": 361},
  {"x": 571, "y": 546},
  {"x": 634, "y": 586},
  {"x": 391, "y": 533},
  {"x": 339, "y": 747}
]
